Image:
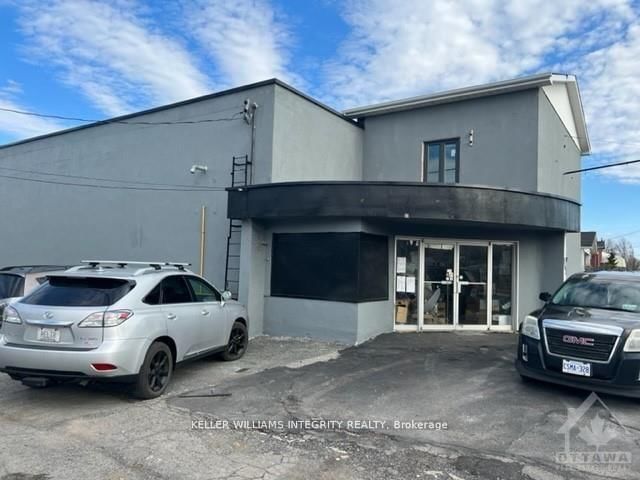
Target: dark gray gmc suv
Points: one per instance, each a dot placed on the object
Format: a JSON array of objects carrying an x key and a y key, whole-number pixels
[{"x": 587, "y": 335}]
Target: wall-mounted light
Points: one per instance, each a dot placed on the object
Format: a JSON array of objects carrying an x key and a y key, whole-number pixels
[
  {"x": 248, "y": 110},
  {"x": 198, "y": 168},
  {"x": 471, "y": 137}
]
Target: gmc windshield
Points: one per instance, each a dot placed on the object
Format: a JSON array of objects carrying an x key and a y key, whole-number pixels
[{"x": 589, "y": 291}]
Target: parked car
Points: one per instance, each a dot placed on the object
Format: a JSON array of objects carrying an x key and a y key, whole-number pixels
[
  {"x": 119, "y": 321},
  {"x": 17, "y": 281},
  {"x": 587, "y": 335}
]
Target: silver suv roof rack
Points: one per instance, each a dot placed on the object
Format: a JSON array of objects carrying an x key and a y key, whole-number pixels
[{"x": 124, "y": 263}]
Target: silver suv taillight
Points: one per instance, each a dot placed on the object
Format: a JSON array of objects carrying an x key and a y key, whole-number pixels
[
  {"x": 10, "y": 315},
  {"x": 111, "y": 318}
]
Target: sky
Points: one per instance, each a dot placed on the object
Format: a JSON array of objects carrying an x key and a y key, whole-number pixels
[{"x": 98, "y": 59}]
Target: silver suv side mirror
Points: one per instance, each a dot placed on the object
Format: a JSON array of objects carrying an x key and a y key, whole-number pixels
[{"x": 226, "y": 296}]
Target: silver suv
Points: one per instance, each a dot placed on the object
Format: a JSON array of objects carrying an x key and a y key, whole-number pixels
[{"x": 119, "y": 321}]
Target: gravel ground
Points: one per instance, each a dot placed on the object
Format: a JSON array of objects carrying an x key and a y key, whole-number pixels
[{"x": 499, "y": 427}]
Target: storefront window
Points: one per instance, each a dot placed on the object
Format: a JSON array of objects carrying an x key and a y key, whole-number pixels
[
  {"x": 339, "y": 267},
  {"x": 438, "y": 284},
  {"x": 502, "y": 271},
  {"x": 407, "y": 277},
  {"x": 472, "y": 278}
]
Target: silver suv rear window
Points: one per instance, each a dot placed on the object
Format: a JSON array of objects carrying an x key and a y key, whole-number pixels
[{"x": 79, "y": 292}]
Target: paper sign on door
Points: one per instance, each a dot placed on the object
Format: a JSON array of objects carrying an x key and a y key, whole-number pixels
[
  {"x": 401, "y": 265},
  {"x": 411, "y": 284}
]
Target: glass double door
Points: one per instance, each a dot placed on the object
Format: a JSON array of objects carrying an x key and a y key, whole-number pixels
[{"x": 453, "y": 284}]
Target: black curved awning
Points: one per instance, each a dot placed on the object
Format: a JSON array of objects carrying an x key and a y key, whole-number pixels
[{"x": 455, "y": 204}]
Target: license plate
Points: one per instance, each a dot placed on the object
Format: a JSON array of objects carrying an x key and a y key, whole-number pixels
[
  {"x": 576, "y": 368},
  {"x": 51, "y": 335}
]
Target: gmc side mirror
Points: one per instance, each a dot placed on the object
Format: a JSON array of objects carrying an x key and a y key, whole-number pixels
[
  {"x": 226, "y": 296},
  {"x": 545, "y": 297}
]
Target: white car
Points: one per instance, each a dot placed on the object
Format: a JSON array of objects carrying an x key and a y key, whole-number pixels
[{"x": 119, "y": 321}]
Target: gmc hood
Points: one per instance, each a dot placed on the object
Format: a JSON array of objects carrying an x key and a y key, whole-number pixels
[{"x": 626, "y": 320}]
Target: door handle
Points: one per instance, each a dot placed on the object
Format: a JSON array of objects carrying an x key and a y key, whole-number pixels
[
  {"x": 205, "y": 312},
  {"x": 171, "y": 316}
]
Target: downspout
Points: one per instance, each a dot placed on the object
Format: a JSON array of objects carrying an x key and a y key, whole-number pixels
[
  {"x": 250, "y": 117},
  {"x": 203, "y": 234}
]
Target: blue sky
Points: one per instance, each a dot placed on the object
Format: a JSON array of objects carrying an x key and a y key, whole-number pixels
[{"x": 95, "y": 59}]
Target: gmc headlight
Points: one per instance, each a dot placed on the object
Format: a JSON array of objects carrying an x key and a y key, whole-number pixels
[
  {"x": 530, "y": 327},
  {"x": 633, "y": 342}
]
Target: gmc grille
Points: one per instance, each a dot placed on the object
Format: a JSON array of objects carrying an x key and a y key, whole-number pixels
[{"x": 599, "y": 351}]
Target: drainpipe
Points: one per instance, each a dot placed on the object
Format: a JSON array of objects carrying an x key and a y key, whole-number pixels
[
  {"x": 250, "y": 117},
  {"x": 203, "y": 234}
]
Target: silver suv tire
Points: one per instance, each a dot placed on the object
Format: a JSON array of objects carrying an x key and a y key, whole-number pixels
[
  {"x": 155, "y": 373},
  {"x": 238, "y": 342}
]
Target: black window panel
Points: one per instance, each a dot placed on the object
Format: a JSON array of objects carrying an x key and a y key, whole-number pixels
[
  {"x": 175, "y": 290},
  {"x": 79, "y": 292},
  {"x": 330, "y": 266},
  {"x": 373, "y": 274}
]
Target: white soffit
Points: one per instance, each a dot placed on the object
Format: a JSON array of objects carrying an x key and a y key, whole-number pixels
[
  {"x": 564, "y": 95},
  {"x": 558, "y": 96}
]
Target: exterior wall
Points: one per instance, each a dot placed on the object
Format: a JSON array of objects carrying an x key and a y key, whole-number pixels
[
  {"x": 311, "y": 143},
  {"x": 58, "y": 224},
  {"x": 557, "y": 153},
  {"x": 253, "y": 273},
  {"x": 374, "y": 318},
  {"x": 530, "y": 275},
  {"x": 503, "y": 154},
  {"x": 299, "y": 317},
  {"x": 343, "y": 322},
  {"x": 540, "y": 267},
  {"x": 573, "y": 254},
  {"x": 295, "y": 140},
  {"x": 322, "y": 320}
]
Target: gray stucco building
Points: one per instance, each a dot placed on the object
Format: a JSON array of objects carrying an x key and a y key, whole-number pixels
[{"x": 439, "y": 212}]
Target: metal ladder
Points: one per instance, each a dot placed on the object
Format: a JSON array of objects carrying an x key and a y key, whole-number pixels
[{"x": 240, "y": 176}]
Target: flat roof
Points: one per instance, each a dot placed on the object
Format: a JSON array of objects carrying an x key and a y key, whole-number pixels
[
  {"x": 486, "y": 90},
  {"x": 230, "y": 91},
  {"x": 351, "y": 115}
]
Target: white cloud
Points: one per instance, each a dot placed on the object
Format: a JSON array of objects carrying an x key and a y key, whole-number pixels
[
  {"x": 113, "y": 57},
  {"x": 247, "y": 39},
  {"x": 398, "y": 49},
  {"x": 14, "y": 125},
  {"x": 611, "y": 92}
]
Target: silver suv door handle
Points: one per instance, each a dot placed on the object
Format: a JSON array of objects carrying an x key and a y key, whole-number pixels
[
  {"x": 171, "y": 316},
  {"x": 205, "y": 312}
]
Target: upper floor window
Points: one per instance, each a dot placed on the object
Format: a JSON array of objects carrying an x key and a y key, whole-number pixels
[{"x": 442, "y": 161}]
